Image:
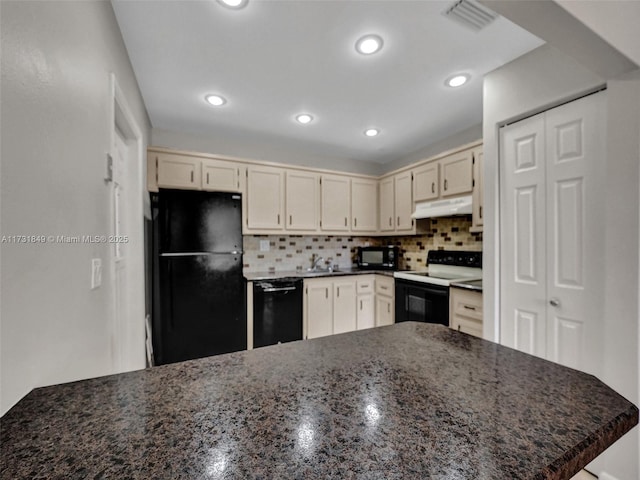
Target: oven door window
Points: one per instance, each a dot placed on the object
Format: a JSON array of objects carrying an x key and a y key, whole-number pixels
[{"x": 422, "y": 303}]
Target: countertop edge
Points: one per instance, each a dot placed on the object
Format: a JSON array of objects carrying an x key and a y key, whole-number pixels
[
  {"x": 258, "y": 276},
  {"x": 568, "y": 465}
]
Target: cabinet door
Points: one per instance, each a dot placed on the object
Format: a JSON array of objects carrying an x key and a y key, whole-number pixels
[
  {"x": 387, "y": 205},
  {"x": 477, "y": 221},
  {"x": 344, "y": 305},
  {"x": 179, "y": 171},
  {"x": 319, "y": 311},
  {"x": 457, "y": 174},
  {"x": 366, "y": 312},
  {"x": 335, "y": 193},
  {"x": 302, "y": 201},
  {"x": 404, "y": 202},
  {"x": 364, "y": 205},
  {"x": 384, "y": 311},
  {"x": 265, "y": 198},
  {"x": 426, "y": 182},
  {"x": 221, "y": 176}
]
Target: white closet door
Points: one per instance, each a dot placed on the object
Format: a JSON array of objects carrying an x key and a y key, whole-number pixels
[
  {"x": 575, "y": 150},
  {"x": 523, "y": 232},
  {"x": 552, "y": 260}
]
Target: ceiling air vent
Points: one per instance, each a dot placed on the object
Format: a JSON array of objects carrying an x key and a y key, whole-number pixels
[{"x": 470, "y": 14}]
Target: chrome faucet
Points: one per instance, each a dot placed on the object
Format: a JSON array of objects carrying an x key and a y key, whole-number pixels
[{"x": 315, "y": 261}]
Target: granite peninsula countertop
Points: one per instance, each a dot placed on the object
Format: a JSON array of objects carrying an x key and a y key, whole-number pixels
[
  {"x": 255, "y": 276},
  {"x": 407, "y": 401}
]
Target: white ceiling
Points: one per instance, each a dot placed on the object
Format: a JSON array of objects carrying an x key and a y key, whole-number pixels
[{"x": 274, "y": 59}]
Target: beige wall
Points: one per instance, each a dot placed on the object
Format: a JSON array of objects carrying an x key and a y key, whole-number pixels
[{"x": 57, "y": 58}]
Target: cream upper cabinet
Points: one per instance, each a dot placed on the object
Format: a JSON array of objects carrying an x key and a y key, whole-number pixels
[
  {"x": 265, "y": 198},
  {"x": 364, "y": 205},
  {"x": 302, "y": 201},
  {"x": 477, "y": 214},
  {"x": 456, "y": 174},
  {"x": 404, "y": 202},
  {"x": 426, "y": 182},
  {"x": 387, "y": 205},
  {"x": 178, "y": 171},
  {"x": 221, "y": 176},
  {"x": 335, "y": 203}
]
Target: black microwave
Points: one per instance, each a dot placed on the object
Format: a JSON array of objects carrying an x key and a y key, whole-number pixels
[{"x": 378, "y": 258}]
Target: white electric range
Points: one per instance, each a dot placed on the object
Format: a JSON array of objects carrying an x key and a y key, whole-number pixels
[{"x": 424, "y": 296}]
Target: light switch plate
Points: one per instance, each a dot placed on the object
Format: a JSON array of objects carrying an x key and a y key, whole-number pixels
[
  {"x": 96, "y": 273},
  {"x": 264, "y": 245}
]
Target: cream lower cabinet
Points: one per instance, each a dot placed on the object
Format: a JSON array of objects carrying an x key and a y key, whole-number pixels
[
  {"x": 329, "y": 306},
  {"x": 385, "y": 304},
  {"x": 465, "y": 311},
  {"x": 365, "y": 303}
]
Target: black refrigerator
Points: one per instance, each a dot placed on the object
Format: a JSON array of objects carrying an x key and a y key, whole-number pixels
[{"x": 199, "y": 293}]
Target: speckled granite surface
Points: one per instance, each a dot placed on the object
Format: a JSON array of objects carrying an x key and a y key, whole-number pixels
[{"x": 408, "y": 401}]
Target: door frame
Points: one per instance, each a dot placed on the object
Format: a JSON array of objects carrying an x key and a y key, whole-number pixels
[{"x": 123, "y": 121}]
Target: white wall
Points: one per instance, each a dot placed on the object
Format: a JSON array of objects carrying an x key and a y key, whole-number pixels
[
  {"x": 528, "y": 85},
  {"x": 55, "y": 130}
]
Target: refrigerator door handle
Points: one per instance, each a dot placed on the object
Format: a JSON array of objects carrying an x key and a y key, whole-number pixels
[{"x": 199, "y": 254}]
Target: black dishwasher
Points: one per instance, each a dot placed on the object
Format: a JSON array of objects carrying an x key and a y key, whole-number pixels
[{"x": 277, "y": 311}]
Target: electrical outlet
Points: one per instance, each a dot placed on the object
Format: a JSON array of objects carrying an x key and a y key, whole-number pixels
[
  {"x": 264, "y": 245},
  {"x": 96, "y": 273}
]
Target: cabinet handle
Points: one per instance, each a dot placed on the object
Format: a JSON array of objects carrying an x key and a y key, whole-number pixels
[
  {"x": 445, "y": 184},
  {"x": 355, "y": 222},
  {"x": 459, "y": 327},
  {"x": 398, "y": 220},
  {"x": 388, "y": 308},
  {"x": 360, "y": 304},
  {"x": 345, "y": 221},
  {"x": 207, "y": 178},
  {"x": 290, "y": 219},
  {"x": 433, "y": 187},
  {"x": 390, "y": 222},
  {"x": 191, "y": 176},
  {"x": 480, "y": 211},
  {"x": 365, "y": 286},
  {"x": 278, "y": 219},
  {"x": 326, "y": 293},
  {"x": 382, "y": 287},
  {"x": 469, "y": 307},
  {"x": 338, "y": 291}
]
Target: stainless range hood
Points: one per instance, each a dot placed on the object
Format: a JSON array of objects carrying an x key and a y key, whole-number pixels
[{"x": 444, "y": 208}]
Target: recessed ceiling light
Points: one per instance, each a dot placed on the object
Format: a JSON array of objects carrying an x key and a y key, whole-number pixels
[
  {"x": 215, "y": 100},
  {"x": 304, "y": 118},
  {"x": 369, "y": 44},
  {"x": 371, "y": 132},
  {"x": 237, "y": 4},
  {"x": 457, "y": 80}
]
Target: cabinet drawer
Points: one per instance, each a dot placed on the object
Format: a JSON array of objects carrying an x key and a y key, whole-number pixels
[
  {"x": 466, "y": 303},
  {"x": 385, "y": 286},
  {"x": 467, "y": 325},
  {"x": 365, "y": 284}
]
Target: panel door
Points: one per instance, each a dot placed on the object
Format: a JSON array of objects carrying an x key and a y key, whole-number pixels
[
  {"x": 302, "y": 201},
  {"x": 335, "y": 206},
  {"x": 387, "y": 205},
  {"x": 344, "y": 305},
  {"x": 179, "y": 171},
  {"x": 319, "y": 308},
  {"x": 221, "y": 176},
  {"x": 404, "y": 202},
  {"x": 457, "y": 174},
  {"x": 384, "y": 311},
  {"x": 265, "y": 198},
  {"x": 576, "y": 162},
  {"x": 364, "y": 205},
  {"x": 426, "y": 182},
  {"x": 478, "y": 193},
  {"x": 366, "y": 312},
  {"x": 523, "y": 236}
]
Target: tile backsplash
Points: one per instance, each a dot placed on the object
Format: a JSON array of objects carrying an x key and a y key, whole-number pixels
[{"x": 294, "y": 252}]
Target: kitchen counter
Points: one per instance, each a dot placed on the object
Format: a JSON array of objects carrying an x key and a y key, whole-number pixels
[
  {"x": 255, "y": 276},
  {"x": 407, "y": 401},
  {"x": 475, "y": 285}
]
